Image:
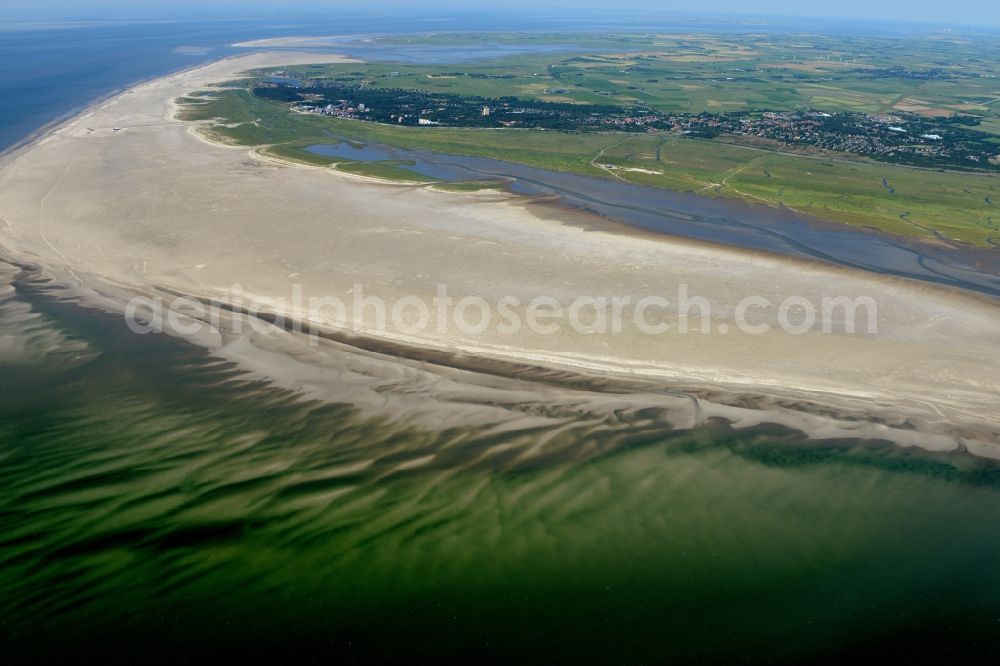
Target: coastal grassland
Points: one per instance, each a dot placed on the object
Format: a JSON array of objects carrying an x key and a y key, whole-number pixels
[
  {"x": 386, "y": 170},
  {"x": 923, "y": 73},
  {"x": 896, "y": 199},
  {"x": 470, "y": 186},
  {"x": 236, "y": 116}
]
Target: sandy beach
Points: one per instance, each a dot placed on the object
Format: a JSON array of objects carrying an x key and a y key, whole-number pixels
[{"x": 154, "y": 207}]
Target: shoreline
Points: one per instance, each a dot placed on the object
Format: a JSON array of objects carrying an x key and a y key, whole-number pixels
[
  {"x": 458, "y": 234},
  {"x": 740, "y": 224},
  {"x": 53, "y": 126},
  {"x": 602, "y": 221},
  {"x": 558, "y": 211},
  {"x": 688, "y": 404}
]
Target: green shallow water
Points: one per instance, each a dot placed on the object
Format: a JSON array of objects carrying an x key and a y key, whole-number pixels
[{"x": 156, "y": 503}]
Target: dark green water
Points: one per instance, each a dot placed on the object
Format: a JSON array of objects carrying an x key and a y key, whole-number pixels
[{"x": 155, "y": 503}]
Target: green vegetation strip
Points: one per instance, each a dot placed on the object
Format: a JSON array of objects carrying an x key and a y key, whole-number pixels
[{"x": 921, "y": 203}]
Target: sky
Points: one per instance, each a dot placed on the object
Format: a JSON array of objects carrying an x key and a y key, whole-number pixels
[{"x": 973, "y": 12}]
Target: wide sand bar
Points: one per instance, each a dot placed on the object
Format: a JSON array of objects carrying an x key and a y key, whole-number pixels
[{"x": 154, "y": 205}]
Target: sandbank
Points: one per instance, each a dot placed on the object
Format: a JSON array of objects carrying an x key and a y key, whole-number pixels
[{"x": 154, "y": 208}]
